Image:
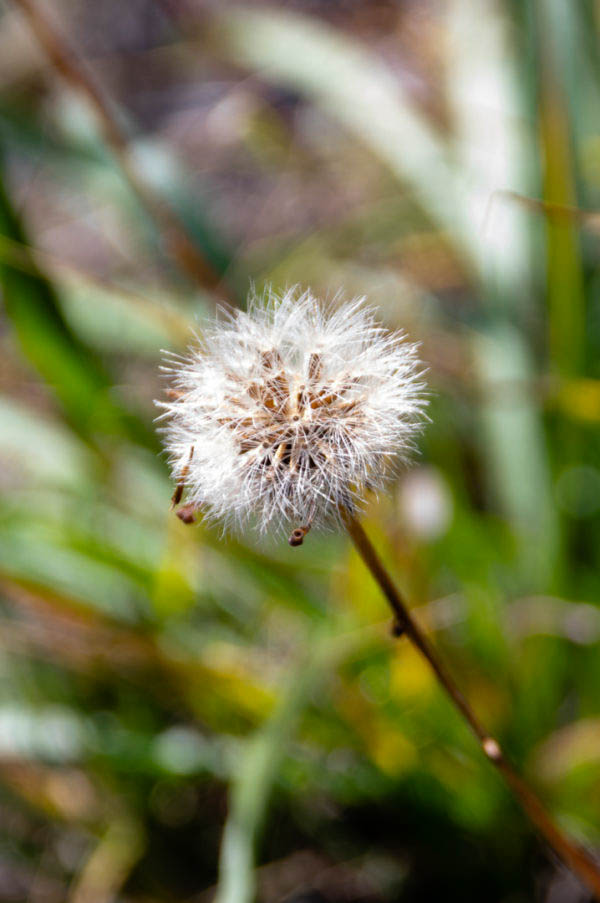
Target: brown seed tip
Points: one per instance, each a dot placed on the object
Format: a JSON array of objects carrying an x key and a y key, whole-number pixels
[
  {"x": 187, "y": 514},
  {"x": 297, "y": 537}
]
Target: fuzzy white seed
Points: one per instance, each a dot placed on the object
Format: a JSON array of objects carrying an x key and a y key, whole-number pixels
[{"x": 287, "y": 412}]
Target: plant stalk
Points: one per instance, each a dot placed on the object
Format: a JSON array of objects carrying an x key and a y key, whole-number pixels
[
  {"x": 578, "y": 859},
  {"x": 174, "y": 234}
]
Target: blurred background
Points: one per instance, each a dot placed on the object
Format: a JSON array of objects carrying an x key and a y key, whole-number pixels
[{"x": 187, "y": 717}]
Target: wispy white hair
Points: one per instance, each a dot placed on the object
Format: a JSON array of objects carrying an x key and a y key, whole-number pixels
[{"x": 287, "y": 412}]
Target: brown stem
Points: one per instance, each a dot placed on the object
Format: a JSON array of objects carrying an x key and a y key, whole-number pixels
[
  {"x": 176, "y": 238},
  {"x": 579, "y": 860}
]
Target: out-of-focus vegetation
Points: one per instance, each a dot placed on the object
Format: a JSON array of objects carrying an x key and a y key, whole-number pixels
[{"x": 183, "y": 714}]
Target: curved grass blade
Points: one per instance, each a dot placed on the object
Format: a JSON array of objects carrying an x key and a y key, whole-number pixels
[{"x": 75, "y": 375}]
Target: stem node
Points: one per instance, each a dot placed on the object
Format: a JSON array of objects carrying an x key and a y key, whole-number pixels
[{"x": 397, "y": 629}]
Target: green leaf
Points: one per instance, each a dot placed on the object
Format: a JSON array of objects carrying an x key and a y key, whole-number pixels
[{"x": 74, "y": 374}]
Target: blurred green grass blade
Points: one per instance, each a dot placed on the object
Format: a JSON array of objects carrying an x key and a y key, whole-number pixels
[
  {"x": 103, "y": 315},
  {"x": 66, "y": 462},
  {"x": 257, "y": 771},
  {"x": 164, "y": 179},
  {"x": 33, "y": 309},
  {"x": 491, "y": 145},
  {"x": 170, "y": 179},
  {"x": 566, "y": 304},
  {"x": 66, "y": 364},
  {"x": 77, "y": 155},
  {"x": 110, "y": 320},
  {"x": 512, "y": 432},
  {"x": 31, "y": 555},
  {"x": 490, "y": 136},
  {"x": 568, "y": 33},
  {"x": 110, "y": 862},
  {"x": 23, "y": 132}
]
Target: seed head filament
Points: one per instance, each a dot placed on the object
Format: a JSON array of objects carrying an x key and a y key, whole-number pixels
[
  {"x": 293, "y": 409},
  {"x": 289, "y": 423}
]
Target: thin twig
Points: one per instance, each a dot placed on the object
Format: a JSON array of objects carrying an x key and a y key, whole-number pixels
[
  {"x": 175, "y": 236},
  {"x": 579, "y": 860}
]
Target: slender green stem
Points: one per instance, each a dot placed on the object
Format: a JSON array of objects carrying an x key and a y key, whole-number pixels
[
  {"x": 256, "y": 772},
  {"x": 578, "y": 859}
]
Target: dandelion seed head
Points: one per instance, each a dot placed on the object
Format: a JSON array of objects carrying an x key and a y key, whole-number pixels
[{"x": 289, "y": 411}]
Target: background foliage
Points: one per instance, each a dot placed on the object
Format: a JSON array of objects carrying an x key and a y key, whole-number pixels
[{"x": 177, "y": 707}]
